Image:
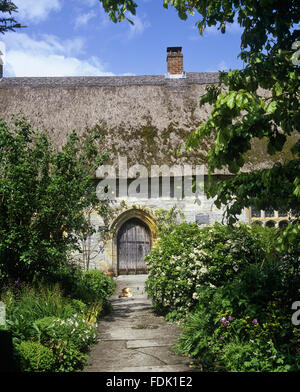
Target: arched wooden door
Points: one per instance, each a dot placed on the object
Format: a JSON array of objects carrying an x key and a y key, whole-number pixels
[{"x": 134, "y": 242}]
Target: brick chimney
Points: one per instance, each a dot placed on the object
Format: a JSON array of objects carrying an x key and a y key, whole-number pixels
[{"x": 175, "y": 62}]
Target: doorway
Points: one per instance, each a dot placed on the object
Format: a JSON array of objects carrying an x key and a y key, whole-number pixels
[{"x": 134, "y": 242}]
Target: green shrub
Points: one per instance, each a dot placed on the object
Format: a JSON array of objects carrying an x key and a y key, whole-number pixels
[
  {"x": 189, "y": 257},
  {"x": 66, "y": 326},
  {"x": 67, "y": 277},
  {"x": 94, "y": 285},
  {"x": 68, "y": 339},
  {"x": 268, "y": 239},
  {"x": 68, "y": 358},
  {"x": 244, "y": 325},
  {"x": 253, "y": 357},
  {"x": 34, "y": 357},
  {"x": 44, "y": 192},
  {"x": 73, "y": 331},
  {"x": 33, "y": 303},
  {"x": 78, "y": 306}
]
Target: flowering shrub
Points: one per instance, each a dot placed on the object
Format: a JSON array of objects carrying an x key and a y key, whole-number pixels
[
  {"x": 243, "y": 326},
  {"x": 232, "y": 290},
  {"x": 45, "y": 316},
  {"x": 32, "y": 303},
  {"x": 73, "y": 331},
  {"x": 188, "y": 258},
  {"x": 68, "y": 339}
]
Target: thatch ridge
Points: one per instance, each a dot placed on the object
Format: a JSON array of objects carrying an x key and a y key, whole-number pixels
[{"x": 92, "y": 81}]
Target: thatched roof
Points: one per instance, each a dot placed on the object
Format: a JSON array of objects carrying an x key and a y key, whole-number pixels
[
  {"x": 145, "y": 118},
  {"x": 117, "y": 81}
]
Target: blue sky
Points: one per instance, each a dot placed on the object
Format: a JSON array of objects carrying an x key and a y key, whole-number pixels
[{"x": 76, "y": 38}]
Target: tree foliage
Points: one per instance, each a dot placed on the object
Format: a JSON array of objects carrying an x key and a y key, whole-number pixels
[
  {"x": 260, "y": 101},
  {"x": 43, "y": 195},
  {"x": 7, "y": 21},
  {"x": 118, "y": 8}
]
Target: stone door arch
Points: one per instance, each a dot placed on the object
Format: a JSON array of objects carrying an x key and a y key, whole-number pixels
[
  {"x": 114, "y": 228},
  {"x": 133, "y": 243}
]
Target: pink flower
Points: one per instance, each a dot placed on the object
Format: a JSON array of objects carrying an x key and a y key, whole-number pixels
[
  {"x": 254, "y": 321},
  {"x": 222, "y": 338},
  {"x": 230, "y": 318},
  {"x": 224, "y": 322}
]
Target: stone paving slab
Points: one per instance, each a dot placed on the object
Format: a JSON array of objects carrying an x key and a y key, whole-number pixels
[
  {"x": 128, "y": 333},
  {"x": 166, "y": 355},
  {"x": 148, "y": 343},
  {"x": 132, "y": 338}
]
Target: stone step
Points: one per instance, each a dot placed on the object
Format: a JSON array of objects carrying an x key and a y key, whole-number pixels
[
  {"x": 132, "y": 338},
  {"x": 136, "y": 283}
]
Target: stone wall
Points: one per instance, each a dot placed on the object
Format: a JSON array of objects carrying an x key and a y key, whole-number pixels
[{"x": 104, "y": 255}]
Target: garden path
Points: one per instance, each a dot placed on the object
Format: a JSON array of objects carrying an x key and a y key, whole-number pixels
[{"x": 132, "y": 338}]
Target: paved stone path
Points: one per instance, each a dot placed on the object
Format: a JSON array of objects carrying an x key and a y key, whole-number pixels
[{"x": 132, "y": 338}]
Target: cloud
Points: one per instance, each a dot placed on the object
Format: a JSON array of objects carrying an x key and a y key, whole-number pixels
[
  {"x": 83, "y": 19},
  {"x": 138, "y": 27},
  {"x": 90, "y": 9},
  {"x": 223, "y": 66},
  {"x": 36, "y": 11},
  {"x": 48, "y": 56},
  {"x": 46, "y": 45}
]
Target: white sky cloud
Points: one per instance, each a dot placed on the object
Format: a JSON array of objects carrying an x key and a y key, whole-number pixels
[
  {"x": 223, "y": 66},
  {"x": 139, "y": 26},
  {"x": 48, "y": 56},
  {"x": 36, "y": 11},
  {"x": 83, "y": 19}
]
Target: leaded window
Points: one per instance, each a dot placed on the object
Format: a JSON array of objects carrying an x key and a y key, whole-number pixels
[{"x": 271, "y": 217}]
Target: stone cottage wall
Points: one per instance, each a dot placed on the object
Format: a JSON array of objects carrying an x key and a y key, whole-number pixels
[{"x": 104, "y": 255}]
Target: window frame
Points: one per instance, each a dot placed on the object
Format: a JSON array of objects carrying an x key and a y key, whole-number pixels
[{"x": 264, "y": 219}]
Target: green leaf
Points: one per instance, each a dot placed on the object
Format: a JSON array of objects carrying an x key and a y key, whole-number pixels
[
  {"x": 271, "y": 107},
  {"x": 231, "y": 100}
]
